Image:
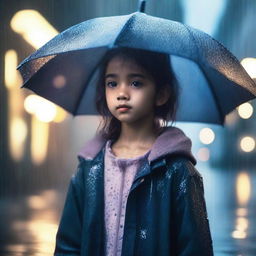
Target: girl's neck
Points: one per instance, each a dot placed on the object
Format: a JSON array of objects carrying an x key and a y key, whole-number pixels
[
  {"x": 135, "y": 140},
  {"x": 137, "y": 134}
]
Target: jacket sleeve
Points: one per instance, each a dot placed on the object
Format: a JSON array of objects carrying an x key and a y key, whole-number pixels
[
  {"x": 190, "y": 215},
  {"x": 68, "y": 238}
]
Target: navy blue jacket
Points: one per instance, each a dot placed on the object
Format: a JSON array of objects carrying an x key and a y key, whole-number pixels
[{"x": 165, "y": 212}]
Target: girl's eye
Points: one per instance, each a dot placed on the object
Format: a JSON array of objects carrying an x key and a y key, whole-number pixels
[
  {"x": 111, "y": 84},
  {"x": 136, "y": 84}
]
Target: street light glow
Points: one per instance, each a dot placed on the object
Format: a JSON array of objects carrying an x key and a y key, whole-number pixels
[
  {"x": 11, "y": 75},
  {"x": 33, "y": 27},
  {"x": 43, "y": 109},
  {"x": 39, "y": 140},
  {"x": 18, "y": 135},
  {"x": 60, "y": 116}
]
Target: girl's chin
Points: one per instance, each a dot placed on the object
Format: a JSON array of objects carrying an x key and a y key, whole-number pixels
[
  {"x": 126, "y": 120},
  {"x": 130, "y": 121}
]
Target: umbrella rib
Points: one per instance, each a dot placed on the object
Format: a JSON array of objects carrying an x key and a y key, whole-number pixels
[
  {"x": 206, "y": 77},
  {"x": 128, "y": 21},
  {"x": 214, "y": 96}
]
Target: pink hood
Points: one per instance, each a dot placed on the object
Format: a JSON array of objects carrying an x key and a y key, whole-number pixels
[{"x": 172, "y": 141}]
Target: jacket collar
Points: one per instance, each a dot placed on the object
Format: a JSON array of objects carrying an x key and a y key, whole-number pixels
[{"x": 172, "y": 141}]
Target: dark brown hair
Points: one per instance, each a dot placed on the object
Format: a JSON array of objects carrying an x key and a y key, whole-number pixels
[{"x": 159, "y": 67}]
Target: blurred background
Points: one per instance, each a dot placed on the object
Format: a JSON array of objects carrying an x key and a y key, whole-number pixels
[{"x": 40, "y": 141}]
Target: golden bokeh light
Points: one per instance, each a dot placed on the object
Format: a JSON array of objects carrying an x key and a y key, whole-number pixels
[
  {"x": 36, "y": 202},
  {"x": 31, "y": 102},
  {"x": 60, "y": 116},
  {"x": 242, "y": 212},
  {"x": 206, "y": 136},
  {"x": 19, "y": 249},
  {"x": 18, "y": 135},
  {"x": 241, "y": 228},
  {"x": 39, "y": 140},
  {"x": 41, "y": 225},
  {"x": 243, "y": 188},
  {"x": 43, "y": 109},
  {"x": 12, "y": 77},
  {"x": 17, "y": 127},
  {"x": 238, "y": 234},
  {"x": 245, "y": 110},
  {"x": 46, "y": 112},
  {"x": 33, "y": 27}
]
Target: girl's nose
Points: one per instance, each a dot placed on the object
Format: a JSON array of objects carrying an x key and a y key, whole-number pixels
[
  {"x": 123, "y": 92},
  {"x": 122, "y": 97}
]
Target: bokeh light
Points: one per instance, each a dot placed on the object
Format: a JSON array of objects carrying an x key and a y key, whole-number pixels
[
  {"x": 18, "y": 135},
  {"x": 249, "y": 65},
  {"x": 241, "y": 228},
  {"x": 247, "y": 144},
  {"x": 11, "y": 75},
  {"x": 203, "y": 154},
  {"x": 59, "y": 81},
  {"x": 46, "y": 112},
  {"x": 39, "y": 140},
  {"x": 245, "y": 110},
  {"x": 241, "y": 212},
  {"x": 243, "y": 188},
  {"x": 206, "y": 136},
  {"x": 31, "y": 102},
  {"x": 60, "y": 115},
  {"x": 33, "y": 27},
  {"x": 43, "y": 109}
]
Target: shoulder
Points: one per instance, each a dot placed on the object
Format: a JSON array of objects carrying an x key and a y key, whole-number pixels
[
  {"x": 186, "y": 179},
  {"x": 181, "y": 166},
  {"x": 85, "y": 165},
  {"x": 92, "y": 148}
]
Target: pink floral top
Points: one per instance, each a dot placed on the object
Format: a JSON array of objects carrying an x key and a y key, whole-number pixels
[{"x": 119, "y": 174}]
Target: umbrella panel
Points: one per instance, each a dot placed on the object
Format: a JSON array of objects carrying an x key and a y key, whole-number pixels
[
  {"x": 228, "y": 94},
  {"x": 196, "y": 98},
  {"x": 63, "y": 80}
]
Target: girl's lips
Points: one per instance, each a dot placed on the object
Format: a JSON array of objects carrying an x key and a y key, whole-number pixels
[{"x": 123, "y": 109}]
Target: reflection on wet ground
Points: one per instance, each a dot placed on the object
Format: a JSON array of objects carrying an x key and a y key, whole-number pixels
[
  {"x": 231, "y": 204},
  {"x": 28, "y": 224}
]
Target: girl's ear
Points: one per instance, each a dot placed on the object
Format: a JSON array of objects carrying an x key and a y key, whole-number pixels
[{"x": 163, "y": 96}]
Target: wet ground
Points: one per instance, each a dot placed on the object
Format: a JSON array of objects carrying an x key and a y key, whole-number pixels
[{"x": 28, "y": 224}]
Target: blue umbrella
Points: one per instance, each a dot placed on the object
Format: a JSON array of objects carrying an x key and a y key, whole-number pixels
[{"x": 212, "y": 80}]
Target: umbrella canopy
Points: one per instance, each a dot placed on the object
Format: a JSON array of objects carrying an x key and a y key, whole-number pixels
[{"x": 212, "y": 80}]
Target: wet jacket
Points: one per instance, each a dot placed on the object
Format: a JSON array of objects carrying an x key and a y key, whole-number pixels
[{"x": 165, "y": 212}]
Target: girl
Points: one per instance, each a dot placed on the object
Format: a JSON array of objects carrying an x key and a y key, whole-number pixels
[{"x": 136, "y": 191}]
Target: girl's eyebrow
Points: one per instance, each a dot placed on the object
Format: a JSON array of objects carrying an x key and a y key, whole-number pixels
[{"x": 130, "y": 75}]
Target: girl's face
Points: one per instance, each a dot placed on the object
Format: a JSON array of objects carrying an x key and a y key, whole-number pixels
[{"x": 130, "y": 85}]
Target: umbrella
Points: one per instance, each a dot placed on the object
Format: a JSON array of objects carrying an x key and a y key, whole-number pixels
[{"x": 212, "y": 80}]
